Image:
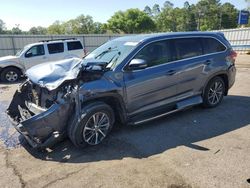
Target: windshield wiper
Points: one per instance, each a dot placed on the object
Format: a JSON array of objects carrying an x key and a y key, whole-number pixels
[
  {"x": 114, "y": 62},
  {"x": 105, "y": 52}
]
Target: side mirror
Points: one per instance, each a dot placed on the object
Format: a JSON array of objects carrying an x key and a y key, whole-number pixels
[
  {"x": 28, "y": 54},
  {"x": 137, "y": 64}
]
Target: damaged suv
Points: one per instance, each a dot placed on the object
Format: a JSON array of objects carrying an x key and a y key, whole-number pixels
[{"x": 129, "y": 80}]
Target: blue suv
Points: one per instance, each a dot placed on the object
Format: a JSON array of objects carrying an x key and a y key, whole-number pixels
[{"x": 129, "y": 80}]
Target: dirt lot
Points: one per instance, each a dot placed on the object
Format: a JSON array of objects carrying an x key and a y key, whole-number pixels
[{"x": 195, "y": 148}]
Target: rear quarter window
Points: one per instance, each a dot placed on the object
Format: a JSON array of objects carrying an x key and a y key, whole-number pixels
[
  {"x": 212, "y": 45},
  {"x": 75, "y": 45},
  {"x": 187, "y": 48},
  {"x": 55, "y": 48}
]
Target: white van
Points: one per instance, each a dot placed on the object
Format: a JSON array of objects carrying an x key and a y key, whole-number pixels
[{"x": 12, "y": 67}]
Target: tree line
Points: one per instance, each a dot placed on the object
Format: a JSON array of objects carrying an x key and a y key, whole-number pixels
[{"x": 205, "y": 15}]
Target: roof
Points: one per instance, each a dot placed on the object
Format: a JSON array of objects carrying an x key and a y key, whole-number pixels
[
  {"x": 53, "y": 41},
  {"x": 143, "y": 37}
]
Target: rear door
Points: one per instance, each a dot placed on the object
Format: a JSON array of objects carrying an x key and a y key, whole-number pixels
[
  {"x": 155, "y": 85},
  {"x": 75, "y": 49},
  {"x": 56, "y": 51},
  {"x": 190, "y": 61},
  {"x": 195, "y": 58}
]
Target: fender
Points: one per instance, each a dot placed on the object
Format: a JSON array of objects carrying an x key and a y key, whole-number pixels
[
  {"x": 212, "y": 76},
  {"x": 113, "y": 98},
  {"x": 12, "y": 64}
]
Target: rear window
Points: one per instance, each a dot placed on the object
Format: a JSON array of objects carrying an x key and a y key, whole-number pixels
[
  {"x": 212, "y": 45},
  {"x": 76, "y": 45},
  {"x": 55, "y": 48},
  {"x": 187, "y": 48}
]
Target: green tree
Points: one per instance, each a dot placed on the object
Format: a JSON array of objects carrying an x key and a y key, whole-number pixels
[
  {"x": 56, "y": 28},
  {"x": 156, "y": 10},
  {"x": 131, "y": 21},
  {"x": 168, "y": 5},
  {"x": 148, "y": 11},
  {"x": 82, "y": 25},
  {"x": 16, "y": 30},
  {"x": 38, "y": 30},
  {"x": 229, "y": 15},
  {"x": 208, "y": 14},
  {"x": 166, "y": 20}
]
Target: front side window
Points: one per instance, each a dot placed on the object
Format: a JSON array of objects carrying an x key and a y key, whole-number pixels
[
  {"x": 55, "y": 48},
  {"x": 76, "y": 45},
  {"x": 187, "y": 48},
  {"x": 37, "y": 50},
  {"x": 156, "y": 53}
]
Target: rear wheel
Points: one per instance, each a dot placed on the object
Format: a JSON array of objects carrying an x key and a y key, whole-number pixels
[
  {"x": 94, "y": 126},
  {"x": 10, "y": 74},
  {"x": 214, "y": 92}
]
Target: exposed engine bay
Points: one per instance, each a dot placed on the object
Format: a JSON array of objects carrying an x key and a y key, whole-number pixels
[{"x": 43, "y": 106}]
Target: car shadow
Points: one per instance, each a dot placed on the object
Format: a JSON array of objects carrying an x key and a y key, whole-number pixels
[{"x": 180, "y": 129}]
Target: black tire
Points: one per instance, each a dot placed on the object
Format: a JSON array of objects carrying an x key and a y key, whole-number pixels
[
  {"x": 76, "y": 132},
  {"x": 212, "y": 93},
  {"x": 10, "y": 74}
]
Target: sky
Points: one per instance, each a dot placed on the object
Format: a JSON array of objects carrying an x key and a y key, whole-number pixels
[{"x": 29, "y": 13}]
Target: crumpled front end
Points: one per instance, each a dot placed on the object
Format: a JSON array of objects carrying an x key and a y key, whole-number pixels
[{"x": 40, "y": 115}]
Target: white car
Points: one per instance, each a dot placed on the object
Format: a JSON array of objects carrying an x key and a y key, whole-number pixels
[{"x": 12, "y": 67}]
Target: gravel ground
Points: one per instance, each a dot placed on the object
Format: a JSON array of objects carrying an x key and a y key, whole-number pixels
[{"x": 195, "y": 148}]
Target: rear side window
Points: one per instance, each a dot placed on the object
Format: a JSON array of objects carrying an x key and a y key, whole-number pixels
[
  {"x": 55, "y": 48},
  {"x": 76, "y": 45},
  {"x": 187, "y": 48},
  {"x": 212, "y": 45}
]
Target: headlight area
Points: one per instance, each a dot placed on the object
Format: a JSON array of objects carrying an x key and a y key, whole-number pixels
[{"x": 42, "y": 127}]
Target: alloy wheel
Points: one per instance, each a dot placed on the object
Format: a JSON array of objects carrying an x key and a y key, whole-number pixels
[
  {"x": 96, "y": 128},
  {"x": 215, "y": 92}
]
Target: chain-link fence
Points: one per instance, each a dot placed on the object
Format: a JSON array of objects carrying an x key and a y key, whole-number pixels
[{"x": 10, "y": 44}]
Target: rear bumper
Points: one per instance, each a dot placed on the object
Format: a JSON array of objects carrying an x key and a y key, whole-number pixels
[
  {"x": 231, "y": 76},
  {"x": 43, "y": 129}
]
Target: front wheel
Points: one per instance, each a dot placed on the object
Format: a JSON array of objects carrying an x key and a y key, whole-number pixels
[
  {"x": 10, "y": 74},
  {"x": 95, "y": 124},
  {"x": 214, "y": 92}
]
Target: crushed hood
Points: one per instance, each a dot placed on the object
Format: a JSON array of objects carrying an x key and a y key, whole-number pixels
[{"x": 53, "y": 74}]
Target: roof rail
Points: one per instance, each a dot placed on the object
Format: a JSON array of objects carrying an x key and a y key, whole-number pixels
[{"x": 58, "y": 39}]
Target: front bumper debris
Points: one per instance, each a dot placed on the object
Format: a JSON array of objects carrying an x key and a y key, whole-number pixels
[{"x": 42, "y": 127}]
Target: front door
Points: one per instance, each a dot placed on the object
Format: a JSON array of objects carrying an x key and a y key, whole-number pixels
[
  {"x": 34, "y": 56},
  {"x": 155, "y": 85}
]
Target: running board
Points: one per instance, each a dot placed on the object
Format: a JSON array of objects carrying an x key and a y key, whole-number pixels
[{"x": 181, "y": 105}]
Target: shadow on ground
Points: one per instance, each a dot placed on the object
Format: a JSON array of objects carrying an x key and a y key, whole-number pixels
[{"x": 183, "y": 128}]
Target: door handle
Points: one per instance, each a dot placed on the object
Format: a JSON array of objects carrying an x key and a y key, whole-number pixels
[
  {"x": 44, "y": 57},
  {"x": 171, "y": 72},
  {"x": 208, "y": 62}
]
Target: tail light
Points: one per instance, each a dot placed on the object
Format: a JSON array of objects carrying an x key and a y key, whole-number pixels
[{"x": 233, "y": 55}]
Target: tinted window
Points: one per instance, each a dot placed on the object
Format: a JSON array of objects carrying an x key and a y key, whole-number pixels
[
  {"x": 211, "y": 45},
  {"x": 155, "y": 54},
  {"x": 76, "y": 45},
  {"x": 55, "y": 48},
  {"x": 35, "y": 51},
  {"x": 187, "y": 47}
]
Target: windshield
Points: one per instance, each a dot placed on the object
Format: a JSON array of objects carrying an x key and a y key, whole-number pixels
[
  {"x": 20, "y": 51},
  {"x": 112, "y": 53}
]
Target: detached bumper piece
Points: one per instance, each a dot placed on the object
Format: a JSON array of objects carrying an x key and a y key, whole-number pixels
[{"x": 40, "y": 127}]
